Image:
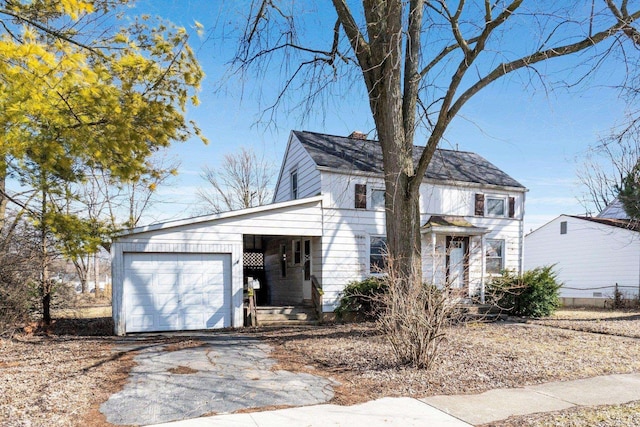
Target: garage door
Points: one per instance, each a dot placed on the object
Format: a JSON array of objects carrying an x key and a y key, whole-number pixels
[{"x": 176, "y": 291}]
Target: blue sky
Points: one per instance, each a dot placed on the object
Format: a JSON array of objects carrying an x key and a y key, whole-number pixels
[{"x": 534, "y": 136}]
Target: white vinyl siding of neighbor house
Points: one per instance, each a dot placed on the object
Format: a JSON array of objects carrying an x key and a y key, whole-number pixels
[
  {"x": 297, "y": 158},
  {"x": 590, "y": 257}
]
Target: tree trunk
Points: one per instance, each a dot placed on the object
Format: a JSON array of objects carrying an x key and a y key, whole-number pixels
[
  {"x": 46, "y": 283},
  {"x": 383, "y": 77},
  {"x": 3, "y": 188}
]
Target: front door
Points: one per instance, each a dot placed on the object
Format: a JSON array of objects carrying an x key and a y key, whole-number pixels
[
  {"x": 457, "y": 261},
  {"x": 306, "y": 269}
]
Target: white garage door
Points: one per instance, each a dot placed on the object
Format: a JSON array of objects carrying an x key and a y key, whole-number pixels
[{"x": 176, "y": 291}]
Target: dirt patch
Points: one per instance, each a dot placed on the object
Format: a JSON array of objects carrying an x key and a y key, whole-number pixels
[
  {"x": 59, "y": 380},
  {"x": 601, "y": 416},
  {"x": 474, "y": 358},
  {"x": 182, "y": 370},
  {"x": 621, "y": 323},
  {"x": 185, "y": 343}
]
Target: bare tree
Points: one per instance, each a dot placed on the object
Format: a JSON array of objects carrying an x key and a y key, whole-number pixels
[
  {"x": 421, "y": 62},
  {"x": 605, "y": 166},
  {"x": 242, "y": 181}
]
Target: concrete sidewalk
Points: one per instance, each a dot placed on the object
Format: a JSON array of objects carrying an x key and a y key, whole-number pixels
[
  {"x": 445, "y": 411},
  {"x": 499, "y": 404},
  {"x": 388, "y": 411}
]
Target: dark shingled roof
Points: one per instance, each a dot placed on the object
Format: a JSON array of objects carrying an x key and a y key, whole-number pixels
[
  {"x": 365, "y": 155},
  {"x": 629, "y": 224}
]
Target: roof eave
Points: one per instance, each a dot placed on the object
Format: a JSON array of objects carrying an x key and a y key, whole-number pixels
[{"x": 467, "y": 184}]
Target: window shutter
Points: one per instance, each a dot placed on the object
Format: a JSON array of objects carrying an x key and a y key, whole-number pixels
[
  {"x": 361, "y": 196},
  {"x": 512, "y": 207},
  {"x": 479, "y": 210}
]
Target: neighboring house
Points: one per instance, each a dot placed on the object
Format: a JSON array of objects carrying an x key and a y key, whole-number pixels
[
  {"x": 325, "y": 228},
  {"x": 614, "y": 210},
  {"x": 591, "y": 256}
]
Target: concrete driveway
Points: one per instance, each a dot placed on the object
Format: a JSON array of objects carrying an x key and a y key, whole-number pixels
[{"x": 221, "y": 374}]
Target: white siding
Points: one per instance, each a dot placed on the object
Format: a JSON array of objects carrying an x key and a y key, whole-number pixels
[
  {"x": 296, "y": 157},
  {"x": 590, "y": 258},
  {"x": 219, "y": 235},
  {"x": 347, "y": 231},
  {"x": 305, "y": 219},
  {"x": 448, "y": 199}
]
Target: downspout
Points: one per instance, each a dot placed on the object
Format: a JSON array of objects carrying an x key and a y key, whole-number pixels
[
  {"x": 521, "y": 260},
  {"x": 483, "y": 264}
]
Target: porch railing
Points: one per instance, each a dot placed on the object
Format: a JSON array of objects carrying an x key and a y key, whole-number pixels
[{"x": 316, "y": 296}]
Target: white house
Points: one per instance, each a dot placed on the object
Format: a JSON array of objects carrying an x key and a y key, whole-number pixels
[
  {"x": 591, "y": 256},
  {"x": 324, "y": 229}
]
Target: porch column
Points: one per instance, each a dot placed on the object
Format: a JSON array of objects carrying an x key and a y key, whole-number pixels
[{"x": 433, "y": 257}]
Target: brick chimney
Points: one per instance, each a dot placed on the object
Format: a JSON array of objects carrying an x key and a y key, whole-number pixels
[{"x": 356, "y": 134}]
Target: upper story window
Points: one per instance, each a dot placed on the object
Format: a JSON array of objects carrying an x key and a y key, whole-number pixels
[
  {"x": 293, "y": 181},
  {"x": 495, "y": 206},
  {"x": 360, "y": 196},
  {"x": 377, "y": 199}
]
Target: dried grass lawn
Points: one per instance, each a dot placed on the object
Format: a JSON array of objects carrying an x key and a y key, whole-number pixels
[{"x": 62, "y": 378}]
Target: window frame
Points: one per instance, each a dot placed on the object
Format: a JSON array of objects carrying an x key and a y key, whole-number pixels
[
  {"x": 487, "y": 202},
  {"x": 293, "y": 183},
  {"x": 378, "y": 266},
  {"x": 501, "y": 257},
  {"x": 374, "y": 206},
  {"x": 296, "y": 251}
]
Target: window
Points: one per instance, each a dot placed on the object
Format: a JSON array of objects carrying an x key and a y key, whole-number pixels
[
  {"x": 361, "y": 196},
  {"x": 495, "y": 206},
  {"x": 293, "y": 176},
  {"x": 378, "y": 254},
  {"x": 377, "y": 199},
  {"x": 297, "y": 251},
  {"x": 494, "y": 256},
  {"x": 563, "y": 227},
  {"x": 283, "y": 260}
]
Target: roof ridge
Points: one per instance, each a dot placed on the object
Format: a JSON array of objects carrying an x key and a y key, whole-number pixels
[{"x": 451, "y": 150}]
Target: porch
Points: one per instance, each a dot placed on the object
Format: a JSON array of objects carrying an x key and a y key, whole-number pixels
[
  {"x": 454, "y": 256},
  {"x": 280, "y": 277}
]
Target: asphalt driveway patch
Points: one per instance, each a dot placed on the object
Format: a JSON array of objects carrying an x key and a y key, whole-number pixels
[{"x": 222, "y": 375}]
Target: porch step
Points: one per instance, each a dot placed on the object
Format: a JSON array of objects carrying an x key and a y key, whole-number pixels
[{"x": 286, "y": 315}]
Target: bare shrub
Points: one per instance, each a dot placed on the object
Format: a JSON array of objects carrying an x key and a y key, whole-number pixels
[
  {"x": 18, "y": 274},
  {"x": 413, "y": 317}
]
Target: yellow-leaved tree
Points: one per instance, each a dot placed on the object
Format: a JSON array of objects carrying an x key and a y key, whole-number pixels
[{"x": 83, "y": 91}]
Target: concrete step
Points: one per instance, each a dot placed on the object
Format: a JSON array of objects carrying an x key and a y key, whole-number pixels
[
  {"x": 287, "y": 309},
  {"x": 292, "y": 315},
  {"x": 287, "y": 322}
]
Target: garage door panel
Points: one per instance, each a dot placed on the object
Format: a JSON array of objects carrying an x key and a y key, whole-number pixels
[
  {"x": 139, "y": 283},
  {"x": 141, "y": 322},
  {"x": 167, "y": 283},
  {"x": 177, "y": 291},
  {"x": 193, "y": 299}
]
